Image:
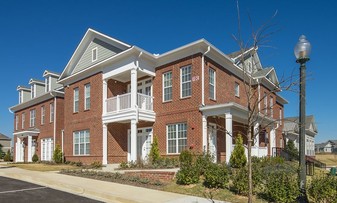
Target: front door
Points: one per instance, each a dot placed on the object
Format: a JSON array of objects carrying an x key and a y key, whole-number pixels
[
  {"x": 212, "y": 140},
  {"x": 144, "y": 141}
]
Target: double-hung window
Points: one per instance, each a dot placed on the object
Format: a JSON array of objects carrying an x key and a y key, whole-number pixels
[
  {"x": 76, "y": 97},
  {"x": 176, "y": 135},
  {"x": 167, "y": 86},
  {"x": 212, "y": 80},
  {"x": 237, "y": 89},
  {"x": 23, "y": 120},
  {"x": 51, "y": 119},
  {"x": 271, "y": 106},
  {"x": 82, "y": 142},
  {"x": 186, "y": 81},
  {"x": 87, "y": 96},
  {"x": 32, "y": 118},
  {"x": 16, "y": 122},
  {"x": 265, "y": 103},
  {"x": 43, "y": 112}
]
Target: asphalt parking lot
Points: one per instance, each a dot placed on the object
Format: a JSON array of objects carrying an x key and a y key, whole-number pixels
[{"x": 12, "y": 190}]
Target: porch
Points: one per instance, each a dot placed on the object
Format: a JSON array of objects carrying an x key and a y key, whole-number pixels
[{"x": 25, "y": 145}]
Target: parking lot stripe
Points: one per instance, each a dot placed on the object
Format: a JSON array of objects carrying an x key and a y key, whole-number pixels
[{"x": 34, "y": 188}]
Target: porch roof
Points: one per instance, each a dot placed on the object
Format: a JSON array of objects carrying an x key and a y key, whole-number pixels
[
  {"x": 25, "y": 133},
  {"x": 239, "y": 112}
]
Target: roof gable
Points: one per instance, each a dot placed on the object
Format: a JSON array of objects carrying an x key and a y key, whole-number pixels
[{"x": 81, "y": 58}]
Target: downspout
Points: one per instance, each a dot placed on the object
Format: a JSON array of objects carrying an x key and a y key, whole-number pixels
[{"x": 203, "y": 76}]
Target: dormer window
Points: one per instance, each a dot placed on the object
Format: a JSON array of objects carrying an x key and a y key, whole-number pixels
[
  {"x": 33, "y": 91},
  {"x": 94, "y": 54},
  {"x": 47, "y": 81}
]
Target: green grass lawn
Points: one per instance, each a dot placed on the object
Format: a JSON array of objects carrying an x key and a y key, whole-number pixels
[{"x": 41, "y": 166}]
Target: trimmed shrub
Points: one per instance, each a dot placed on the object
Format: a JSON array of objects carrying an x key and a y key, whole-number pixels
[
  {"x": 238, "y": 158},
  {"x": 35, "y": 158},
  {"x": 323, "y": 189},
  {"x": 154, "y": 152},
  {"x": 57, "y": 155},
  {"x": 203, "y": 162},
  {"x": 216, "y": 176},
  {"x": 185, "y": 159},
  {"x": 187, "y": 175},
  {"x": 281, "y": 187},
  {"x": 8, "y": 156}
]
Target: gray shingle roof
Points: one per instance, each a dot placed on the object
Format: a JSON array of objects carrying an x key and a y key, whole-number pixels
[
  {"x": 4, "y": 137},
  {"x": 291, "y": 123}
]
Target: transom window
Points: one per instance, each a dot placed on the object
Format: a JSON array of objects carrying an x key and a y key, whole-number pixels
[
  {"x": 167, "y": 86},
  {"x": 211, "y": 74},
  {"x": 87, "y": 97},
  {"x": 82, "y": 142},
  {"x": 176, "y": 137},
  {"x": 76, "y": 97},
  {"x": 94, "y": 54},
  {"x": 32, "y": 118},
  {"x": 186, "y": 81}
]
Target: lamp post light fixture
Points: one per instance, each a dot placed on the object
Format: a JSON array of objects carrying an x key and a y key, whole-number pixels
[{"x": 302, "y": 51}]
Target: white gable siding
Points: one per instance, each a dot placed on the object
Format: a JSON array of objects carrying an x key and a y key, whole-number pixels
[
  {"x": 25, "y": 96},
  {"x": 104, "y": 51},
  {"x": 53, "y": 83}
]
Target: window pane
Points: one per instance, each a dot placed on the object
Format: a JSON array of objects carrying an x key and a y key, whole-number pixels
[
  {"x": 81, "y": 149},
  {"x": 76, "y": 149},
  {"x": 171, "y": 146},
  {"x": 87, "y": 148}
]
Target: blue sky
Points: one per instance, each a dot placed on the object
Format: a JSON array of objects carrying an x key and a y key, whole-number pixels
[{"x": 39, "y": 35}]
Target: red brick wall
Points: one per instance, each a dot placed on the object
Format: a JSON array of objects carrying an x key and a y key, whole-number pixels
[
  {"x": 84, "y": 119},
  {"x": 46, "y": 129},
  {"x": 178, "y": 110}
]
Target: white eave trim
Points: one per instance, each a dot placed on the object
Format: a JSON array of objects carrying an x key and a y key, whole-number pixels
[{"x": 26, "y": 132}]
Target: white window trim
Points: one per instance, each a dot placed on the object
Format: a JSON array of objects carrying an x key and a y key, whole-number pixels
[
  {"x": 181, "y": 82},
  {"x": 86, "y": 96},
  {"x": 214, "y": 85},
  {"x": 47, "y": 84},
  {"x": 92, "y": 54},
  {"x": 176, "y": 139},
  {"x": 43, "y": 114},
  {"x": 23, "y": 119},
  {"x": 20, "y": 97},
  {"x": 237, "y": 93},
  {"x": 163, "y": 86},
  {"x": 74, "y": 101},
  {"x": 79, "y": 143},
  {"x": 16, "y": 122},
  {"x": 51, "y": 112},
  {"x": 32, "y": 118}
]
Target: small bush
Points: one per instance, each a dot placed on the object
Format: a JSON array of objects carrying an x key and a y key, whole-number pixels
[
  {"x": 203, "y": 162},
  {"x": 123, "y": 165},
  {"x": 187, "y": 176},
  {"x": 240, "y": 181},
  {"x": 323, "y": 189},
  {"x": 8, "y": 156},
  {"x": 185, "y": 159},
  {"x": 57, "y": 156},
  {"x": 238, "y": 158},
  {"x": 96, "y": 164},
  {"x": 35, "y": 158},
  {"x": 281, "y": 187},
  {"x": 154, "y": 152},
  {"x": 216, "y": 176}
]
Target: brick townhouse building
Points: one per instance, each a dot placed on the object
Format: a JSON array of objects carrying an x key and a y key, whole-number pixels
[{"x": 117, "y": 97}]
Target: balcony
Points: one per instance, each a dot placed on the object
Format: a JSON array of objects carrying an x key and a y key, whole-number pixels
[{"x": 119, "y": 108}]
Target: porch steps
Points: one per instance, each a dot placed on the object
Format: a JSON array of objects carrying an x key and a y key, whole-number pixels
[{"x": 110, "y": 167}]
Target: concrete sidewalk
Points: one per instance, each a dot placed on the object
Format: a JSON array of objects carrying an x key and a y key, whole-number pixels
[{"x": 99, "y": 190}]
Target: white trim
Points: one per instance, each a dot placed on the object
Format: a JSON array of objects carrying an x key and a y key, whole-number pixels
[
  {"x": 51, "y": 113},
  {"x": 94, "y": 54},
  {"x": 163, "y": 86},
  {"x": 237, "y": 89},
  {"x": 16, "y": 121},
  {"x": 176, "y": 139},
  {"x": 86, "y": 96},
  {"x": 43, "y": 114},
  {"x": 33, "y": 91},
  {"x": 26, "y": 132},
  {"x": 188, "y": 81},
  {"x": 54, "y": 106},
  {"x": 79, "y": 143},
  {"x": 214, "y": 83},
  {"x": 78, "y": 99},
  {"x": 32, "y": 117}
]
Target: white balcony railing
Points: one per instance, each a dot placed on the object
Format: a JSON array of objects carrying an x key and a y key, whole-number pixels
[{"x": 123, "y": 102}]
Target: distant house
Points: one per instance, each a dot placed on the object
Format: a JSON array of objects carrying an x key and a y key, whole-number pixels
[
  {"x": 291, "y": 132},
  {"x": 5, "y": 142},
  {"x": 327, "y": 147}
]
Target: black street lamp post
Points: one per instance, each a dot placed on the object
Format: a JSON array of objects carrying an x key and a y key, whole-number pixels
[{"x": 302, "y": 51}]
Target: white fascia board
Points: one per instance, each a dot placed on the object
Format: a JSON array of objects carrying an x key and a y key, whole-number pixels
[
  {"x": 49, "y": 73},
  {"x": 23, "y": 88},
  {"x": 35, "y": 81},
  {"x": 27, "y": 132},
  {"x": 244, "y": 53},
  {"x": 108, "y": 37},
  {"x": 36, "y": 100}
]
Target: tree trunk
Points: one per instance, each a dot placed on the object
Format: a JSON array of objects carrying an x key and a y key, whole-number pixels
[{"x": 250, "y": 180}]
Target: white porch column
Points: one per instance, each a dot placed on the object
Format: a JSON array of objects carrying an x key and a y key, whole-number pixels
[
  {"x": 133, "y": 140},
  {"x": 29, "y": 158},
  {"x": 229, "y": 134},
  {"x": 272, "y": 141},
  {"x": 204, "y": 133},
  {"x": 17, "y": 149},
  {"x": 105, "y": 145},
  {"x": 257, "y": 135},
  {"x": 105, "y": 96},
  {"x": 133, "y": 87}
]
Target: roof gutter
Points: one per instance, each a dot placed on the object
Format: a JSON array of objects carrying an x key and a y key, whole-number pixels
[{"x": 203, "y": 76}]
